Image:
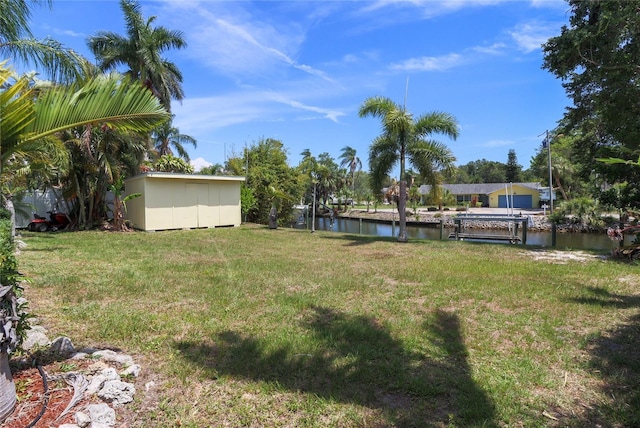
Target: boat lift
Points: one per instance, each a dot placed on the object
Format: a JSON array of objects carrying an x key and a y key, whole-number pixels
[{"x": 513, "y": 222}]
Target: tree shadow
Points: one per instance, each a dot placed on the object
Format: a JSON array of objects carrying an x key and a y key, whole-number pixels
[
  {"x": 356, "y": 240},
  {"x": 615, "y": 357},
  {"x": 358, "y": 361}
]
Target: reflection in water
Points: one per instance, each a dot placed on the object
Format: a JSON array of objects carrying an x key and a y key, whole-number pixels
[{"x": 593, "y": 241}]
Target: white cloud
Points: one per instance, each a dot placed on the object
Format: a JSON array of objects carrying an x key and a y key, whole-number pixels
[
  {"x": 331, "y": 114},
  {"x": 530, "y": 37},
  {"x": 430, "y": 63},
  {"x": 227, "y": 37},
  {"x": 199, "y": 163},
  {"x": 494, "y": 49}
]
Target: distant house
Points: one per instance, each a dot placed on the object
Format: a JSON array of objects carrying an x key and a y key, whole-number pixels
[
  {"x": 494, "y": 195},
  {"x": 183, "y": 201}
]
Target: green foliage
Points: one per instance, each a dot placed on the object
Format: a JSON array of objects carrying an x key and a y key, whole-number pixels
[
  {"x": 513, "y": 170},
  {"x": 596, "y": 58},
  {"x": 247, "y": 200},
  {"x": 170, "y": 163},
  {"x": 12, "y": 313},
  {"x": 580, "y": 211},
  {"x": 271, "y": 180},
  {"x": 5, "y": 214},
  {"x": 482, "y": 171}
]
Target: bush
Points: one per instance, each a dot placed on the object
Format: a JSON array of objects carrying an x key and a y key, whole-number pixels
[
  {"x": 5, "y": 214},
  {"x": 11, "y": 313}
]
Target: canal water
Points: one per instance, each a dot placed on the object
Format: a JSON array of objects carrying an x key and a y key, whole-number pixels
[{"x": 590, "y": 241}]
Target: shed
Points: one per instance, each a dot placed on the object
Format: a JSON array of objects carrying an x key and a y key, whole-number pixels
[{"x": 183, "y": 201}]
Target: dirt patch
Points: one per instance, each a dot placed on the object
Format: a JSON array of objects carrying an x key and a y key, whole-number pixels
[{"x": 563, "y": 257}]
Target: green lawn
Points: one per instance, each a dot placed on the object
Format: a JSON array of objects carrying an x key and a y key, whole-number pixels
[{"x": 256, "y": 327}]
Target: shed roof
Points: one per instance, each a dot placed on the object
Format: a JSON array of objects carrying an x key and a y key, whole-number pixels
[{"x": 179, "y": 176}]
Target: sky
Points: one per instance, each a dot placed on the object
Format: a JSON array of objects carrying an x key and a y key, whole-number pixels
[{"x": 298, "y": 71}]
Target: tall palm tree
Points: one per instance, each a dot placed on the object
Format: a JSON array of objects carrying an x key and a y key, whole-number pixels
[
  {"x": 309, "y": 166},
  {"x": 18, "y": 43},
  {"x": 167, "y": 136},
  {"x": 27, "y": 123},
  {"x": 349, "y": 157},
  {"x": 141, "y": 51},
  {"x": 405, "y": 137}
]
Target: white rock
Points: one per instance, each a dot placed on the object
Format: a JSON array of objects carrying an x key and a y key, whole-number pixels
[
  {"x": 95, "y": 384},
  {"x": 109, "y": 355},
  {"x": 117, "y": 392},
  {"x": 132, "y": 370},
  {"x": 82, "y": 419},
  {"x": 79, "y": 356},
  {"x": 102, "y": 416},
  {"x": 36, "y": 336},
  {"x": 69, "y": 426},
  {"x": 110, "y": 374}
]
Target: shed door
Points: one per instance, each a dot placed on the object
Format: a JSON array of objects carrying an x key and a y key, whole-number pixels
[
  {"x": 519, "y": 201},
  {"x": 200, "y": 212}
]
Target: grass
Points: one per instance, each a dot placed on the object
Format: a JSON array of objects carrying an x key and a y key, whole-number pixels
[{"x": 256, "y": 327}]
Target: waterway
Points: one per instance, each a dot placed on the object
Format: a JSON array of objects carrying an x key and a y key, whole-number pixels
[{"x": 587, "y": 241}]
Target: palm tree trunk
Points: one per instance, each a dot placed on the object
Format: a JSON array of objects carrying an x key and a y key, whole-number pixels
[
  {"x": 7, "y": 388},
  {"x": 402, "y": 212}
]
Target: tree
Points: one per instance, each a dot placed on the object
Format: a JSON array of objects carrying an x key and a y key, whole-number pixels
[
  {"x": 513, "y": 170},
  {"x": 141, "y": 51},
  {"x": 17, "y": 42},
  {"x": 170, "y": 163},
  {"x": 270, "y": 179},
  {"x": 405, "y": 137},
  {"x": 483, "y": 171},
  {"x": 564, "y": 167},
  {"x": 596, "y": 57},
  {"x": 216, "y": 169},
  {"x": 28, "y": 122},
  {"x": 350, "y": 158},
  {"x": 167, "y": 136}
]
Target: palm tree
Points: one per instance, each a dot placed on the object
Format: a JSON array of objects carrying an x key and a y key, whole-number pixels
[
  {"x": 17, "y": 42},
  {"x": 167, "y": 136},
  {"x": 308, "y": 166},
  {"x": 141, "y": 52},
  {"x": 405, "y": 137},
  {"x": 350, "y": 158},
  {"x": 28, "y": 123}
]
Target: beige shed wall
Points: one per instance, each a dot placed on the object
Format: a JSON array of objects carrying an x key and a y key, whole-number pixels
[{"x": 179, "y": 201}]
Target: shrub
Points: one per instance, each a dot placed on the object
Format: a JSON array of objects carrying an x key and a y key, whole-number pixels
[{"x": 12, "y": 314}]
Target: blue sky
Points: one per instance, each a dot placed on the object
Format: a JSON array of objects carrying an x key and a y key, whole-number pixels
[{"x": 298, "y": 71}]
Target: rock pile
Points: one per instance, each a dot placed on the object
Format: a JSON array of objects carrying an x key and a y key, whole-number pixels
[{"x": 100, "y": 386}]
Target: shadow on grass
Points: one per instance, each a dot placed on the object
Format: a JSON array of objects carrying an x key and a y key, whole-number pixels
[
  {"x": 356, "y": 240},
  {"x": 615, "y": 357},
  {"x": 358, "y": 361}
]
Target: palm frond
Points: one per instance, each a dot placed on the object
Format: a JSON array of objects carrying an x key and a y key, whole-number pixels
[{"x": 119, "y": 104}]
